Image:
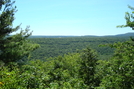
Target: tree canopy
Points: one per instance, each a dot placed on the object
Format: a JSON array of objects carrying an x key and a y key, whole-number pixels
[{"x": 12, "y": 47}]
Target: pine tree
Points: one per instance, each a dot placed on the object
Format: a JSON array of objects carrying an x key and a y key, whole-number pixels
[{"x": 12, "y": 47}]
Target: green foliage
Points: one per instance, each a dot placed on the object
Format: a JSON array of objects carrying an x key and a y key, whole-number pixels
[
  {"x": 129, "y": 19},
  {"x": 118, "y": 71},
  {"x": 88, "y": 63},
  {"x": 56, "y": 73},
  {"x": 53, "y": 47},
  {"x": 74, "y": 71},
  {"x": 12, "y": 47}
]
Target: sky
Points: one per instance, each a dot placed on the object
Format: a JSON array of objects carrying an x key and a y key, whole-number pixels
[{"x": 73, "y": 17}]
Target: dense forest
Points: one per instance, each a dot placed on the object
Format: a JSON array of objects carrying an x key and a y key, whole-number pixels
[
  {"x": 63, "y": 63},
  {"x": 52, "y": 47}
]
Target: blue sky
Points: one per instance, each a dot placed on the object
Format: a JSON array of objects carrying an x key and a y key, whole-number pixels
[{"x": 73, "y": 17}]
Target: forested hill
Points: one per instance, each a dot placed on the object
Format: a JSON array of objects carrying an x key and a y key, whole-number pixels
[
  {"x": 55, "y": 46},
  {"x": 123, "y": 35},
  {"x": 118, "y": 35}
]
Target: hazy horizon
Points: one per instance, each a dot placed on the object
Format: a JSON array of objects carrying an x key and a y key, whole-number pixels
[{"x": 86, "y": 35}]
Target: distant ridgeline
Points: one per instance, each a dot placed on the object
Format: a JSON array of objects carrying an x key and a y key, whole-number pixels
[
  {"x": 53, "y": 46},
  {"x": 118, "y": 35}
]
